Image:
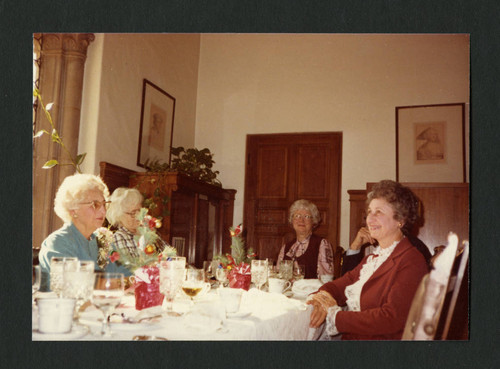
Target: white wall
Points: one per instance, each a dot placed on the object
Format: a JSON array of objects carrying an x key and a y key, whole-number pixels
[
  {"x": 112, "y": 97},
  {"x": 270, "y": 83}
]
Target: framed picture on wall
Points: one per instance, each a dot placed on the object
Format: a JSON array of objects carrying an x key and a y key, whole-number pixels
[
  {"x": 157, "y": 124},
  {"x": 430, "y": 143}
]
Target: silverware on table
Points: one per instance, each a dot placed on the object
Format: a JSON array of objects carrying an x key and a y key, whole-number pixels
[{"x": 149, "y": 338}]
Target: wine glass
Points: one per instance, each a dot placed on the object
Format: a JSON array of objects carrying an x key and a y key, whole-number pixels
[
  {"x": 171, "y": 277},
  {"x": 194, "y": 282},
  {"x": 78, "y": 283},
  {"x": 207, "y": 267},
  {"x": 299, "y": 271},
  {"x": 259, "y": 272},
  {"x": 221, "y": 275},
  {"x": 35, "y": 284},
  {"x": 56, "y": 272},
  {"x": 108, "y": 292}
]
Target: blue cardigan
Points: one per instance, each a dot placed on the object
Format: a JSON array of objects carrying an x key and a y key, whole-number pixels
[{"x": 68, "y": 241}]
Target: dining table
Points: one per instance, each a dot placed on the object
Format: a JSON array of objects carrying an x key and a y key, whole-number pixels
[{"x": 262, "y": 316}]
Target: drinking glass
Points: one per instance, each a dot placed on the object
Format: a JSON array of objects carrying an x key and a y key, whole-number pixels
[
  {"x": 221, "y": 275},
  {"x": 56, "y": 272},
  {"x": 171, "y": 277},
  {"x": 108, "y": 292},
  {"x": 285, "y": 269},
  {"x": 194, "y": 282},
  {"x": 78, "y": 283},
  {"x": 207, "y": 267},
  {"x": 259, "y": 272},
  {"x": 35, "y": 284},
  {"x": 299, "y": 271}
]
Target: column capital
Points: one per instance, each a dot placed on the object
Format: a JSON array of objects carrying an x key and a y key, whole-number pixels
[{"x": 66, "y": 42}]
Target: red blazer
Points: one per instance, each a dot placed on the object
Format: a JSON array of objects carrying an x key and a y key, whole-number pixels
[{"x": 385, "y": 298}]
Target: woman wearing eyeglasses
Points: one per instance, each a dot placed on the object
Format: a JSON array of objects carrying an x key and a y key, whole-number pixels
[
  {"x": 307, "y": 248},
  {"x": 81, "y": 203},
  {"x": 122, "y": 213}
]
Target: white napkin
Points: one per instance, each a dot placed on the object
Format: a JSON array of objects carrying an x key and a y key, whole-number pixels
[
  {"x": 304, "y": 287},
  {"x": 205, "y": 317}
]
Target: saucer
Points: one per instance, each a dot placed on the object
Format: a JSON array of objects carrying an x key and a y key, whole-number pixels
[{"x": 77, "y": 331}]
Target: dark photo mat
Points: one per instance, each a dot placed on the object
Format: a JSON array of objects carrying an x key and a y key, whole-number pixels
[{"x": 21, "y": 19}]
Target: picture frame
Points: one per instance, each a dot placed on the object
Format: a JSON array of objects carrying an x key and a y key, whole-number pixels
[
  {"x": 430, "y": 143},
  {"x": 157, "y": 124}
]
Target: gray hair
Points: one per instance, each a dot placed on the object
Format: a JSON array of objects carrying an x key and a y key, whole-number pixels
[
  {"x": 305, "y": 205},
  {"x": 121, "y": 200},
  {"x": 73, "y": 190}
]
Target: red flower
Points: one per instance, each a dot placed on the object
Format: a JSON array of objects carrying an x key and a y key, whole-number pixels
[
  {"x": 231, "y": 259},
  {"x": 238, "y": 230},
  {"x": 114, "y": 256}
]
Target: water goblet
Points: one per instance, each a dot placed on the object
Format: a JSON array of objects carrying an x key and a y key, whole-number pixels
[
  {"x": 35, "y": 284},
  {"x": 221, "y": 275},
  {"x": 171, "y": 277},
  {"x": 56, "y": 272},
  {"x": 207, "y": 267},
  {"x": 259, "y": 272},
  {"x": 108, "y": 292},
  {"x": 78, "y": 283},
  {"x": 285, "y": 269}
]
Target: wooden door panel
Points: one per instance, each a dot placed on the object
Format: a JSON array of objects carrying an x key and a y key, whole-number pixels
[
  {"x": 313, "y": 180},
  {"x": 272, "y": 172},
  {"x": 282, "y": 168}
]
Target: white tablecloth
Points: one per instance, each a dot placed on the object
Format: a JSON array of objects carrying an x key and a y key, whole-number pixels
[{"x": 262, "y": 316}]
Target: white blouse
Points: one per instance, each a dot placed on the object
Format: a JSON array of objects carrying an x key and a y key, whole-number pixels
[{"x": 353, "y": 292}]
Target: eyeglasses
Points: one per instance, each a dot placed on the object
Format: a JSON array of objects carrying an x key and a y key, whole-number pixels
[
  {"x": 97, "y": 204},
  {"x": 300, "y": 216},
  {"x": 132, "y": 213}
]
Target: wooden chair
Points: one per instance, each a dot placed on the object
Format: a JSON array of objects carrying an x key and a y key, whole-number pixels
[{"x": 425, "y": 311}]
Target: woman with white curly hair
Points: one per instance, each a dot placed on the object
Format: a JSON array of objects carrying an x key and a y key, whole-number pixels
[
  {"x": 122, "y": 214},
  {"x": 80, "y": 202},
  {"x": 314, "y": 252}
]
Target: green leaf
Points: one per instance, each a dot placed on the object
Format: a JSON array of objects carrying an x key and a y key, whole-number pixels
[
  {"x": 80, "y": 158},
  {"x": 50, "y": 164}
]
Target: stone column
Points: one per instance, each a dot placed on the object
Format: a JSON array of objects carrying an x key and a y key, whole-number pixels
[{"x": 63, "y": 58}]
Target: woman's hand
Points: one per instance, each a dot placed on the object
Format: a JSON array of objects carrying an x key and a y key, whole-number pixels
[
  {"x": 363, "y": 236},
  {"x": 321, "y": 302}
]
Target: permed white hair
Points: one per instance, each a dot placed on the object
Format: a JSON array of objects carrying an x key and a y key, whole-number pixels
[
  {"x": 122, "y": 199},
  {"x": 73, "y": 190},
  {"x": 305, "y": 205}
]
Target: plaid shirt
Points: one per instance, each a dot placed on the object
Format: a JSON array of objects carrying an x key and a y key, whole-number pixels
[
  {"x": 124, "y": 242},
  {"x": 325, "y": 254}
]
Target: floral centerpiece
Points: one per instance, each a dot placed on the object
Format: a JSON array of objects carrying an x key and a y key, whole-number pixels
[{"x": 238, "y": 262}]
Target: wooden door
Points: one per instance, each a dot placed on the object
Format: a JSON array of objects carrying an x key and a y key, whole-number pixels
[{"x": 282, "y": 168}]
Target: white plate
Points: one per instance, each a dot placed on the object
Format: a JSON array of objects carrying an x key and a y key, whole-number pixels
[
  {"x": 76, "y": 332},
  {"x": 239, "y": 314},
  {"x": 96, "y": 321}
]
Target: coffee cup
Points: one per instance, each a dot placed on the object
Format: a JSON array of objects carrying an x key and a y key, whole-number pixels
[
  {"x": 278, "y": 285},
  {"x": 55, "y": 315}
]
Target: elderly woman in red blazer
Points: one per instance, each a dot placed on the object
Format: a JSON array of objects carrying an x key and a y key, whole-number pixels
[{"x": 372, "y": 301}]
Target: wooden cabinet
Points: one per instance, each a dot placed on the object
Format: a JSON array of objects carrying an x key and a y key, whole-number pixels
[{"x": 198, "y": 215}]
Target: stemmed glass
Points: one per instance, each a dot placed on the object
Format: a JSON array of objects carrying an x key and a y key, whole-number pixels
[
  {"x": 221, "y": 275},
  {"x": 259, "y": 272},
  {"x": 108, "y": 292},
  {"x": 299, "y": 271},
  {"x": 56, "y": 272},
  {"x": 171, "y": 277},
  {"x": 194, "y": 282},
  {"x": 35, "y": 284},
  {"x": 78, "y": 283},
  {"x": 286, "y": 269}
]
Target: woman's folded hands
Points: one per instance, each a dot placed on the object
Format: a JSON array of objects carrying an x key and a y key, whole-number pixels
[{"x": 320, "y": 301}]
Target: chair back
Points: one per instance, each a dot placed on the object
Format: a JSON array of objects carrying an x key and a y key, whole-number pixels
[{"x": 427, "y": 303}]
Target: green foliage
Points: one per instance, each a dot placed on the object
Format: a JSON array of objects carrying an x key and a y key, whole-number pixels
[
  {"x": 195, "y": 163},
  {"x": 78, "y": 160}
]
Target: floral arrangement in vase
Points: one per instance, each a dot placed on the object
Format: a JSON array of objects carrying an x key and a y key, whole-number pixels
[{"x": 238, "y": 262}]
